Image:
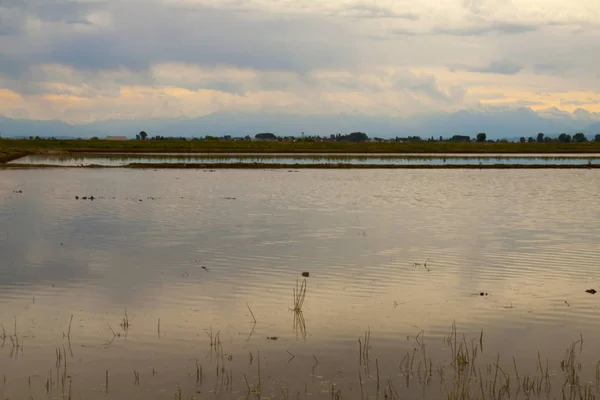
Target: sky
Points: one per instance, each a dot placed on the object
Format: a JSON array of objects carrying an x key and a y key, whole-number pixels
[{"x": 87, "y": 61}]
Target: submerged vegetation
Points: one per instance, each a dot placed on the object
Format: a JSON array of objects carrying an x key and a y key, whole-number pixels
[{"x": 458, "y": 368}]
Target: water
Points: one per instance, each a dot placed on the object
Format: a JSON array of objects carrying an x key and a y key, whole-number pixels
[
  {"x": 528, "y": 238},
  {"x": 116, "y": 159}
]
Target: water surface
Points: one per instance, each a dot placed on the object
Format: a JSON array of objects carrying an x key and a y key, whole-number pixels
[
  {"x": 195, "y": 249},
  {"x": 122, "y": 159}
]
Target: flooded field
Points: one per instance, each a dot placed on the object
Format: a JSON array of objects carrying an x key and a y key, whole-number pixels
[
  {"x": 341, "y": 284},
  {"x": 122, "y": 159}
]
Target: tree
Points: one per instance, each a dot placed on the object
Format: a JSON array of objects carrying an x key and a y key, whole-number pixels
[
  {"x": 143, "y": 135},
  {"x": 563, "y": 137},
  {"x": 265, "y": 136},
  {"x": 460, "y": 138},
  {"x": 358, "y": 137},
  {"x": 579, "y": 138},
  {"x": 481, "y": 137},
  {"x": 597, "y": 137},
  {"x": 540, "y": 137},
  {"x": 522, "y": 140}
]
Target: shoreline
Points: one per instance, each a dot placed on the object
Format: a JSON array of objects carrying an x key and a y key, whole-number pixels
[{"x": 215, "y": 166}]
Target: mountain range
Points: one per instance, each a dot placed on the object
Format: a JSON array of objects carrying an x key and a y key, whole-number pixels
[{"x": 497, "y": 124}]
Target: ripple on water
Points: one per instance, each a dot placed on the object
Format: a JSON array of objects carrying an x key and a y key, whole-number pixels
[{"x": 394, "y": 251}]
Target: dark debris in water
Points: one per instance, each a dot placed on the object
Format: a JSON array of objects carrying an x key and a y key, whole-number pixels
[
  {"x": 306, "y": 274},
  {"x": 591, "y": 291},
  {"x": 272, "y": 337},
  {"x": 92, "y": 198},
  {"x": 483, "y": 294},
  {"x": 18, "y": 191}
]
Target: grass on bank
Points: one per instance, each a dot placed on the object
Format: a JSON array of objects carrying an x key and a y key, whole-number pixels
[{"x": 10, "y": 148}]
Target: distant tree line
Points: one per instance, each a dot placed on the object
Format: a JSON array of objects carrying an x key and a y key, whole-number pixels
[
  {"x": 351, "y": 137},
  {"x": 480, "y": 137},
  {"x": 358, "y": 137},
  {"x": 159, "y": 137},
  {"x": 562, "y": 138}
]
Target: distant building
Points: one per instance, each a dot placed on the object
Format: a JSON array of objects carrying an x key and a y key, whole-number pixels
[{"x": 116, "y": 138}]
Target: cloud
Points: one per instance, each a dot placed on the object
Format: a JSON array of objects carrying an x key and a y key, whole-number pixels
[
  {"x": 57, "y": 11},
  {"x": 85, "y": 60},
  {"x": 578, "y": 102},
  {"x": 175, "y": 89},
  {"x": 495, "y": 67},
  {"x": 11, "y": 22},
  {"x": 499, "y": 28},
  {"x": 363, "y": 10},
  {"x": 512, "y": 103},
  {"x": 136, "y": 37},
  {"x": 556, "y": 68},
  {"x": 470, "y": 28}
]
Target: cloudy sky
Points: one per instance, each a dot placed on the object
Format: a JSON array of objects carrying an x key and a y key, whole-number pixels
[{"x": 84, "y": 61}]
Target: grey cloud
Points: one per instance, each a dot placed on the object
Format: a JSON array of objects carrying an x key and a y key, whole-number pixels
[
  {"x": 495, "y": 67},
  {"x": 403, "y": 32},
  {"x": 428, "y": 86},
  {"x": 500, "y": 28},
  {"x": 88, "y": 84},
  {"x": 557, "y": 68},
  {"x": 11, "y": 21},
  {"x": 12, "y": 66},
  {"x": 56, "y": 11},
  {"x": 373, "y": 11},
  {"x": 480, "y": 29},
  {"x": 144, "y": 35},
  {"x": 68, "y": 12}
]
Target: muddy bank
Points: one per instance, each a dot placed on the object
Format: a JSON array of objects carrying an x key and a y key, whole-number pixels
[{"x": 10, "y": 155}]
